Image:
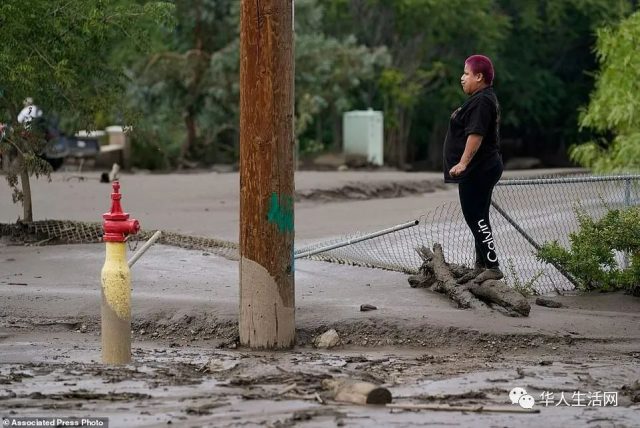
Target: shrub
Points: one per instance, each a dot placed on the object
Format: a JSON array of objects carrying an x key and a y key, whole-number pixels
[
  {"x": 526, "y": 288},
  {"x": 591, "y": 258}
]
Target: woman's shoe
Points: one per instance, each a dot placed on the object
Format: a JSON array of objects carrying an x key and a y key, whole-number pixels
[
  {"x": 477, "y": 270},
  {"x": 487, "y": 274}
]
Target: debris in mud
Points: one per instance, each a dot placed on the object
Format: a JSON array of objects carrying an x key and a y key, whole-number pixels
[
  {"x": 548, "y": 303},
  {"x": 469, "y": 395},
  {"x": 8, "y": 395},
  {"x": 204, "y": 409},
  {"x": 218, "y": 365},
  {"x": 467, "y": 409},
  {"x": 308, "y": 414},
  {"x": 442, "y": 277},
  {"x": 367, "y": 307},
  {"x": 327, "y": 340},
  {"x": 13, "y": 377},
  {"x": 356, "y": 392},
  {"x": 288, "y": 386},
  {"x": 633, "y": 391},
  {"x": 432, "y": 359},
  {"x": 83, "y": 394}
]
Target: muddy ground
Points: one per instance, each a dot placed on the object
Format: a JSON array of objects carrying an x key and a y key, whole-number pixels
[
  {"x": 189, "y": 371},
  {"x": 197, "y": 384}
]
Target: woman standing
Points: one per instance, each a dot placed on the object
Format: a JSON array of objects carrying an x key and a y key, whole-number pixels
[{"x": 472, "y": 159}]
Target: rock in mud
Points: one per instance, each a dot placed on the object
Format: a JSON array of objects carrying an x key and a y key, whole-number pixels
[
  {"x": 367, "y": 307},
  {"x": 549, "y": 303},
  {"x": 217, "y": 365},
  {"x": 327, "y": 340}
]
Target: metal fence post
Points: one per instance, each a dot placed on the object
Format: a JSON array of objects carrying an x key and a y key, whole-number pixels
[
  {"x": 627, "y": 192},
  {"x": 532, "y": 241},
  {"x": 627, "y": 204}
]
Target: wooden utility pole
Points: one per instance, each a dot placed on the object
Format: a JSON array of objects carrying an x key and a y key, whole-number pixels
[{"x": 267, "y": 297}]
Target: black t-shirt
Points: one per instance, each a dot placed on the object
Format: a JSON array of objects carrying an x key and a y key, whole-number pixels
[{"x": 480, "y": 114}]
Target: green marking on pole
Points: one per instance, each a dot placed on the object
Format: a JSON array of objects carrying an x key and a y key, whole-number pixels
[{"x": 281, "y": 212}]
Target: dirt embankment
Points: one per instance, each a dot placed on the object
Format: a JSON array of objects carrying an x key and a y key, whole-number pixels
[
  {"x": 377, "y": 190},
  {"x": 180, "y": 329}
]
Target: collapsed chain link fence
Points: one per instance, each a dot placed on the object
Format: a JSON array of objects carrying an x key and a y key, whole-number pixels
[
  {"x": 75, "y": 232},
  {"x": 525, "y": 214}
]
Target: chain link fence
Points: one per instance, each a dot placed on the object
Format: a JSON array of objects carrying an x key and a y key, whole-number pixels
[
  {"x": 48, "y": 232},
  {"x": 525, "y": 214}
]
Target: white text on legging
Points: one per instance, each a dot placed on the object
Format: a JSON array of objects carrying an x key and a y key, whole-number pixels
[{"x": 488, "y": 239}]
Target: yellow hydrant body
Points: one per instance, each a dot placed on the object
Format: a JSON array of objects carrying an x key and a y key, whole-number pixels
[
  {"x": 116, "y": 283},
  {"x": 116, "y": 305}
]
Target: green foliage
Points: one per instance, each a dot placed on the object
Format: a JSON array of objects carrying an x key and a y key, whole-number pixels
[
  {"x": 526, "y": 288},
  {"x": 591, "y": 257},
  {"x": 622, "y": 154},
  {"x": 65, "y": 56},
  {"x": 328, "y": 72},
  {"x": 400, "y": 56},
  {"x": 541, "y": 51},
  {"x": 546, "y": 83},
  {"x": 179, "y": 62},
  {"x": 614, "y": 105},
  {"x": 428, "y": 41},
  {"x": 307, "y": 109},
  {"x": 194, "y": 85},
  {"x": 331, "y": 72},
  {"x": 24, "y": 144},
  {"x": 59, "y": 53},
  {"x": 186, "y": 92}
]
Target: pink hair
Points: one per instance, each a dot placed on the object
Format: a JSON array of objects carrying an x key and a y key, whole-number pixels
[{"x": 481, "y": 64}]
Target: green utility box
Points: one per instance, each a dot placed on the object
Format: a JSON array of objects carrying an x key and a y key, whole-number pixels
[{"x": 362, "y": 135}]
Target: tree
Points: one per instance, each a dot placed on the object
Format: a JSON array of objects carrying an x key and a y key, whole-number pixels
[
  {"x": 542, "y": 87},
  {"x": 541, "y": 51},
  {"x": 330, "y": 73},
  {"x": 65, "y": 56},
  {"x": 428, "y": 41},
  {"x": 614, "y": 107},
  {"x": 193, "y": 79}
]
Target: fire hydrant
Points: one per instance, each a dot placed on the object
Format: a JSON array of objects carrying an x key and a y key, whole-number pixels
[{"x": 116, "y": 283}]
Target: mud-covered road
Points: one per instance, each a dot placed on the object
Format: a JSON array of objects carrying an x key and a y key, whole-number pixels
[
  {"x": 195, "y": 384},
  {"x": 188, "y": 370}
]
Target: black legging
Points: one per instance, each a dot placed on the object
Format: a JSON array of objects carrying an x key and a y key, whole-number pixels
[{"x": 475, "y": 199}]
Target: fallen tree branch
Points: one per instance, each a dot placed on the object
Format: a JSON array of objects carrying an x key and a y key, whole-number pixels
[
  {"x": 499, "y": 293},
  {"x": 442, "y": 277},
  {"x": 445, "y": 282}
]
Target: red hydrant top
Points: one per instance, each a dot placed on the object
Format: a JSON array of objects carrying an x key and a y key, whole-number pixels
[{"x": 116, "y": 223}]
